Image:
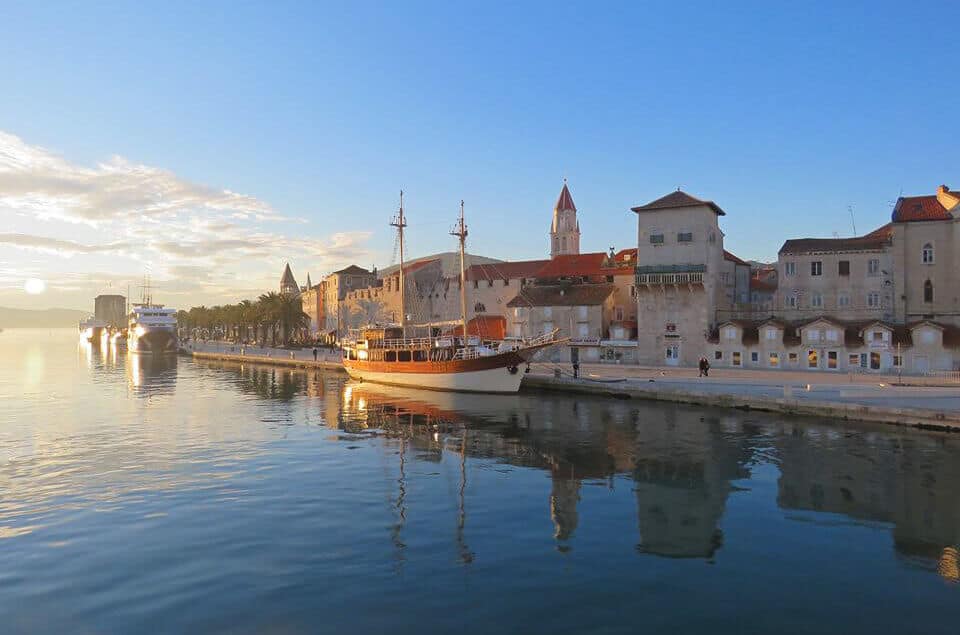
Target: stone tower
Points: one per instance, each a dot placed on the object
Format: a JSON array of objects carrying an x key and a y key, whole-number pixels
[
  {"x": 288, "y": 283},
  {"x": 565, "y": 230}
]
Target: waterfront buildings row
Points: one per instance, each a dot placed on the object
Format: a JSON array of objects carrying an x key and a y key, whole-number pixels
[{"x": 883, "y": 301}]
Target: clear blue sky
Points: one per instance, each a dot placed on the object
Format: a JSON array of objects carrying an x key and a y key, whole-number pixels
[{"x": 783, "y": 113}]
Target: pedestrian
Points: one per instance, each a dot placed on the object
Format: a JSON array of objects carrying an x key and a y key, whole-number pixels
[
  {"x": 576, "y": 370},
  {"x": 706, "y": 367},
  {"x": 315, "y": 353},
  {"x": 702, "y": 367}
]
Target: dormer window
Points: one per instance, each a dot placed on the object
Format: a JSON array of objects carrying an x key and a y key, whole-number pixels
[{"x": 927, "y": 254}]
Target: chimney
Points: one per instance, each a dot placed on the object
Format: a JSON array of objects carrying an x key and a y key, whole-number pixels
[{"x": 942, "y": 189}]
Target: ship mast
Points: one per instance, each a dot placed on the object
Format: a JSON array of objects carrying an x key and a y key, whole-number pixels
[
  {"x": 460, "y": 231},
  {"x": 400, "y": 222}
]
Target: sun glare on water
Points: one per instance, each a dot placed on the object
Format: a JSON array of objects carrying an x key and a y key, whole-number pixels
[{"x": 34, "y": 286}]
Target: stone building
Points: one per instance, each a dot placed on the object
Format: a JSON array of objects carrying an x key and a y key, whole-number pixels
[
  {"x": 848, "y": 277},
  {"x": 565, "y": 229},
  {"x": 830, "y": 344},
  {"x": 336, "y": 286},
  {"x": 580, "y": 311},
  {"x": 678, "y": 286},
  {"x": 926, "y": 257},
  {"x": 311, "y": 299},
  {"x": 111, "y": 309}
]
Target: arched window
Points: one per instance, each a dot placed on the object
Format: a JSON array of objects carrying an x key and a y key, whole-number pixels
[
  {"x": 928, "y": 291},
  {"x": 928, "y": 254}
]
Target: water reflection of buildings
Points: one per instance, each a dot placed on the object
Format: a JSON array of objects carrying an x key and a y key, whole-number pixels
[
  {"x": 682, "y": 466},
  {"x": 907, "y": 480},
  {"x": 682, "y": 469}
]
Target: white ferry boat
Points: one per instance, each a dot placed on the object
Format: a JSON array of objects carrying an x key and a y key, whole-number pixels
[{"x": 152, "y": 328}]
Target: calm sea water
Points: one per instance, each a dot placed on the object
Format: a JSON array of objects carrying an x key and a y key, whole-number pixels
[{"x": 167, "y": 495}]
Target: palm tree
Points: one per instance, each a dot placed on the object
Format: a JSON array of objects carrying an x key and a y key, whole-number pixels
[
  {"x": 269, "y": 308},
  {"x": 292, "y": 318}
]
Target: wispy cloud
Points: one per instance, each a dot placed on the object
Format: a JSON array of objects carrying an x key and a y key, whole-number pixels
[
  {"x": 39, "y": 182},
  {"x": 198, "y": 242}
]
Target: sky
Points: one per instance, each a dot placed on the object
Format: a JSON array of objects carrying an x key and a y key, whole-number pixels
[{"x": 206, "y": 144}]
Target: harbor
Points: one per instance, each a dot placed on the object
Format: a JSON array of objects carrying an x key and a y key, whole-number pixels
[{"x": 183, "y": 476}]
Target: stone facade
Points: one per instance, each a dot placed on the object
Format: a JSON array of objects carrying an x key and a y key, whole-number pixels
[
  {"x": 849, "y": 277},
  {"x": 825, "y": 344},
  {"x": 579, "y": 311},
  {"x": 926, "y": 255},
  {"x": 678, "y": 285}
]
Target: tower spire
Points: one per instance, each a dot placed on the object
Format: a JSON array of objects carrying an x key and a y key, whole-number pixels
[{"x": 564, "y": 230}]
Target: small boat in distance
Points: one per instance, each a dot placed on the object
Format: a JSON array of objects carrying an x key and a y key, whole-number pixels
[
  {"x": 439, "y": 361},
  {"x": 92, "y": 330},
  {"x": 151, "y": 328}
]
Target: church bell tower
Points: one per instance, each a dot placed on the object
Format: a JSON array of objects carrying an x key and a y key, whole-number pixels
[{"x": 565, "y": 230}]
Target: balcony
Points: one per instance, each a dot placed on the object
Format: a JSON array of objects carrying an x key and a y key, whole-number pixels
[{"x": 669, "y": 275}]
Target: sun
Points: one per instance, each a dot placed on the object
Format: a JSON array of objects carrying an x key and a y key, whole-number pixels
[{"x": 34, "y": 286}]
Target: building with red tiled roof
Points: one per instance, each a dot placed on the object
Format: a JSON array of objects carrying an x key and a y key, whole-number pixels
[
  {"x": 926, "y": 257},
  {"x": 509, "y": 270}
]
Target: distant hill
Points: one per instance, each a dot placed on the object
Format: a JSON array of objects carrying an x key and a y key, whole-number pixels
[{"x": 41, "y": 319}]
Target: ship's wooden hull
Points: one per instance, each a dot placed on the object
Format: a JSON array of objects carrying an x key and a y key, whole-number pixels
[{"x": 494, "y": 374}]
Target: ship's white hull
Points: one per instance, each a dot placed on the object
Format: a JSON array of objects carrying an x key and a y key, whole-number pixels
[
  {"x": 152, "y": 340},
  {"x": 491, "y": 380}
]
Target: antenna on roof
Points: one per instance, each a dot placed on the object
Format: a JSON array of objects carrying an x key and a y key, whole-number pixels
[{"x": 852, "y": 221}]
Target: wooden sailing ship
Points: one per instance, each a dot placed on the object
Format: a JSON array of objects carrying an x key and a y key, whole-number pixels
[{"x": 439, "y": 361}]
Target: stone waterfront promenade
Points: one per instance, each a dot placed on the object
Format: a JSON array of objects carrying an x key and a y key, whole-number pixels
[{"x": 921, "y": 401}]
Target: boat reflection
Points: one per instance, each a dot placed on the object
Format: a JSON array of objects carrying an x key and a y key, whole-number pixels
[{"x": 150, "y": 375}]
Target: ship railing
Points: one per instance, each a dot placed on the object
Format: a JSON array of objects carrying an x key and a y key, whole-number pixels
[
  {"x": 467, "y": 353},
  {"x": 544, "y": 338},
  {"x": 407, "y": 342}
]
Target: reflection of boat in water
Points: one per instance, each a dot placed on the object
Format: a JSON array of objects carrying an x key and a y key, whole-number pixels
[
  {"x": 431, "y": 404},
  {"x": 152, "y": 374},
  {"x": 92, "y": 330}
]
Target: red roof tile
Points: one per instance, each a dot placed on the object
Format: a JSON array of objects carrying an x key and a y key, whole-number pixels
[
  {"x": 675, "y": 200},
  {"x": 416, "y": 266},
  {"x": 565, "y": 201},
  {"x": 729, "y": 256},
  {"x": 911, "y": 209},
  {"x": 877, "y": 239},
  {"x": 562, "y": 295},
  {"x": 506, "y": 270},
  {"x": 595, "y": 264}
]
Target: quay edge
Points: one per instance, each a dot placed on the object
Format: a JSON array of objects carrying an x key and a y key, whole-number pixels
[{"x": 910, "y": 417}]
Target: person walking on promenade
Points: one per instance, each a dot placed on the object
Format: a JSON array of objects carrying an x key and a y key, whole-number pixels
[
  {"x": 314, "y": 353},
  {"x": 704, "y": 367}
]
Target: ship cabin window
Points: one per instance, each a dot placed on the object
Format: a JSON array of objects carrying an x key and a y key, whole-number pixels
[
  {"x": 420, "y": 355},
  {"x": 403, "y": 356},
  {"x": 390, "y": 356}
]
